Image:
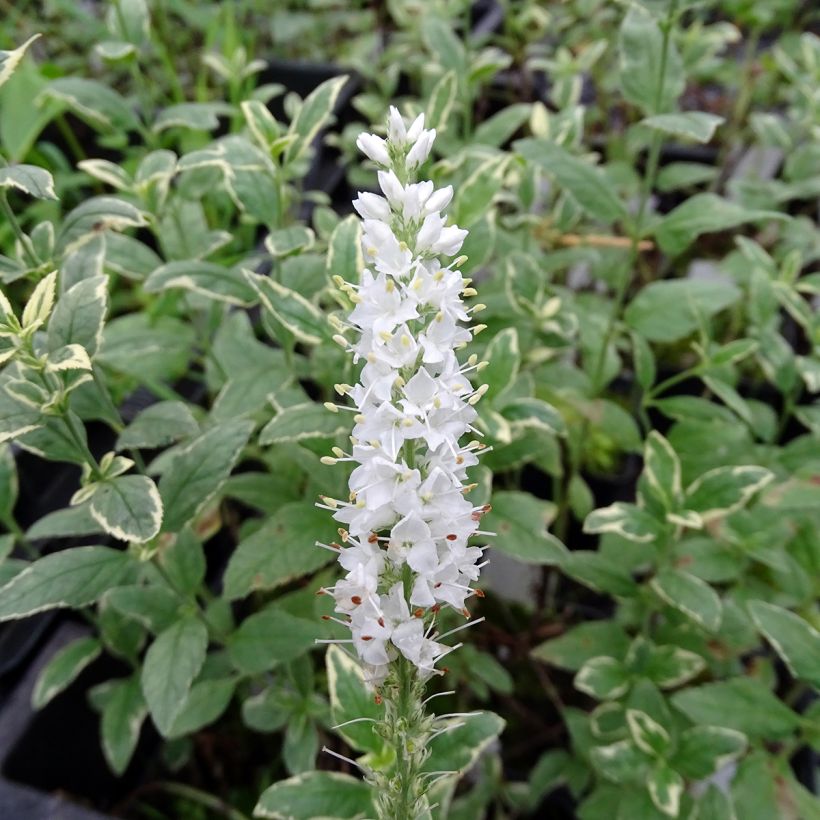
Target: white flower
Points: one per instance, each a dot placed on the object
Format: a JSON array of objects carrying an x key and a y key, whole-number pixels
[{"x": 374, "y": 147}]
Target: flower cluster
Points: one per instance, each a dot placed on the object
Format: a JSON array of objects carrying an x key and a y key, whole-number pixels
[{"x": 407, "y": 522}]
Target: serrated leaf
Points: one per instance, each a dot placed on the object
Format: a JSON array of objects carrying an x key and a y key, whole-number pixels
[
  {"x": 795, "y": 639},
  {"x": 301, "y": 422},
  {"x": 29, "y": 179},
  {"x": 159, "y": 425},
  {"x": 587, "y": 184},
  {"x": 62, "y": 670},
  {"x": 128, "y": 507},
  {"x": 691, "y": 596},
  {"x": 268, "y": 638},
  {"x": 122, "y": 717},
  {"x": 72, "y": 578},
  {"x": 172, "y": 662},
  {"x": 314, "y": 795},
  {"x": 199, "y": 469},
  {"x": 293, "y": 528}
]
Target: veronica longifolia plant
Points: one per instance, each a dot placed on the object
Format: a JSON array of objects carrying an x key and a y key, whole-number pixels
[{"x": 407, "y": 524}]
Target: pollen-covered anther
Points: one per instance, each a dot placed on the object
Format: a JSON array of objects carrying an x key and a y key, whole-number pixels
[
  {"x": 367, "y": 637},
  {"x": 419, "y": 613},
  {"x": 452, "y": 537},
  {"x": 372, "y": 538},
  {"x": 479, "y": 593},
  {"x": 356, "y": 599}
]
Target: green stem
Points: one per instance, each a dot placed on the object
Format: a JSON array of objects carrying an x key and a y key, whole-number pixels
[
  {"x": 25, "y": 242},
  {"x": 70, "y": 137},
  {"x": 209, "y": 801}
]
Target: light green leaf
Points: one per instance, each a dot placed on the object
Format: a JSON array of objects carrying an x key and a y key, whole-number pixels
[
  {"x": 313, "y": 115},
  {"x": 671, "y": 666},
  {"x": 301, "y": 317},
  {"x": 184, "y": 562},
  {"x": 29, "y": 179},
  {"x": 520, "y": 521},
  {"x": 159, "y": 425},
  {"x": 350, "y": 699},
  {"x": 599, "y": 572},
  {"x": 672, "y": 309},
  {"x": 289, "y": 240},
  {"x": 9, "y": 60},
  {"x": 582, "y": 643},
  {"x": 695, "y": 125},
  {"x": 500, "y": 127},
  {"x": 93, "y": 101},
  {"x": 122, "y": 717},
  {"x": 649, "y": 79},
  {"x": 795, "y": 639},
  {"x": 203, "y": 116},
  {"x": 647, "y": 734},
  {"x": 206, "y": 701},
  {"x": 440, "y": 104},
  {"x": 704, "y": 213},
  {"x": 128, "y": 507},
  {"x": 534, "y": 413},
  {"x": 691, "y": 596},
  {"x": 724, "y": 490},
  {"x": 704, "y": 750},
  {"x": 620, "y": 762},
  {"x": 16, "y": 418},
  {"x": 344, "y": 253},
  {"x": 504, "y": 357},
  {"x": 662, "y": 470},
  {"x": 100, "y": 213},
  {"x": 207, "y": 278},
  {"x": 38, "y": 308},
  {"x": 63, "y": 669},
  {"x": 459, "y": 748},
  {"x": 80, "y": 315},
  {"x": 743, "y": 704},
  {"x": 602, "y": 678},
  {"x": 587, "y": 184},
  {"x": 71, "y": 578},
  {"x": 315, "y": 795},
  {"x": 293, "y": 528},
  {"x": 627, "y": 520},
  {"x": 172, "y": 662},
  {"x": 301, "y": 422},
  {"x": 153, "y": 606},
  {"x": 666, "y": 789},
  {"x": 199, "y": 469},
  {"x": 270, "y": 637}
]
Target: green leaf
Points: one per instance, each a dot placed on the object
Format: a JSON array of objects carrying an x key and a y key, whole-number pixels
[
  {"x": 678, "y": 175},
  {"x": 199, "y": 469},
  {"x": 440, "y": 104},
  {"x": 206, "y": 701},
  {"x": 128, "y": 507},
  {"x": 691, "y": 596},
  {"x": 80, "y": 315},
  {"x": 97, "y": 214},
  {"x": 647, "y": 734},
  {"x": 313, "y": 115},
  {"x": 203, "y": 116},
  {"x": 520, "y": 521},
  {"x": 66, "y": 523},
  {"x": 662, "y": 470},
  {"x": 16, "y": 418},
  {"x": 289, "y": 240},
  {"x": 314, "y": 795},
  {"x": 459, "y": 748},
  {"x": 666, "y": 789},
  {"x": 743, "y": 704},
  {"x": 293, "y": 528},
  {"x": 301, "y": 422},
  {"x": 300, "y": 316},
  {"x": 582, "y": 643},
  {"x": 171, "y": 663},
  {"x": 9, "y": 60},
  {"x": 599, "y": 572},
  {"x": 184, "y": 562},
  {"x": 671, "y": 666},
  {"x": 704, "y": 213},
  {"x": 695, "y": 125},
  {"x": 9, "y": 486},
  {"x": 724, "y": 490},
  {"x": 648, "y": 79},
  {"x": 672, "y": 309},
  {"x": 268, "y": 638},
  {"x": 96, "y": 103},
  {"x": 207, "y": 278},
  {"x": 504, "y": 357},
  {"x": 154, "y": 607},
  {"x": 72, "y": 578},
  {"x": 122, "y": 717},
  {"x": 475, "y": 195},
  {"x": 38, "y": 308},
  {"x": 344, "y": 251},
  {"x": 587, "y": 184},
  {"x": 536, "y": 414},
  {"x": 795, "y": 639},
  {"x": 442, "y": 43},
  {"x": 159, "y": 425},
  {"x": 350, "y": 699},
  {"x": 500, "y": 127},
  {"x": 63, "y": 669},
  {"x": 301, "y": 744},
  {"x": 627, "y": 520},
  {"x": 704, "y": 750},
  {"x": 620, "y": 762},
  {"x": 29, "y": 179},
  {"x": 602, "y": 678}
]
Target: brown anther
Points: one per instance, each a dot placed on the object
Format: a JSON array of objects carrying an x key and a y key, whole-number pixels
[
  {"x": 466, "y": 613},
  {"x": 476, "y": 516},
  {"x": 479, "y": 593},
  {"x": 321, "y": 591},
  {"x": 381, "y": 621},
  {"x": 436, "y": 586},
  {"x": 452, "y": 537},
  {"x": 459, "y": 459},
  {"x": 445, "y": 670},
  {"x": 377, "y": 698},
  {"x": 336, "y": 546},
  {"x": 419, "y": 613},
  {"x": 367, "y": 637},
  {"x": 356, "y": 599},
  {"x": 435, "y": 608},
  {"x": 372, "y": 538},
  {"x": 325, "y": 617},
  {"x": 486, "y": 508}
]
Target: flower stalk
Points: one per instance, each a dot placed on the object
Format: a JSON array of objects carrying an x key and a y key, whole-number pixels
[{"x": 406, "y": 526}]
